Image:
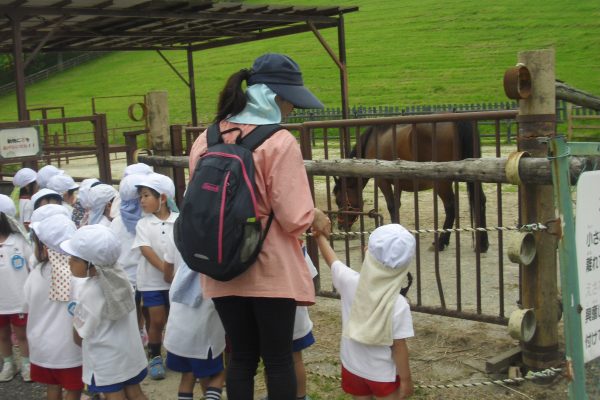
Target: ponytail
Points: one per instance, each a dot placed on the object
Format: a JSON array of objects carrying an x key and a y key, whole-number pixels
[{"x": 232, "y": 99}]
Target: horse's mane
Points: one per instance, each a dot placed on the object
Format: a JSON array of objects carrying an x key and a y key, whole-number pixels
[{"x": 363, "y": 139}]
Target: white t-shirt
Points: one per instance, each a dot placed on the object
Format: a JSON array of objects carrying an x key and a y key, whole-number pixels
[
  {"x": 112, "y": 350},
  {"x": 303, "y": 324},
  {"x": 15, "y": 253},
  {"x": 367, "y": 361},
  {"x": 25, "y": 210},
  {"x": 157, "y": 234},
  {"x": 192, "y": 331},
  {"x": 130, "y": 257},
  {"x": 50, "y": 323}
]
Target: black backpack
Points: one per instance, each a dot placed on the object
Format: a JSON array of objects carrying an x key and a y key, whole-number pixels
[{"x": 218, "y": 232}]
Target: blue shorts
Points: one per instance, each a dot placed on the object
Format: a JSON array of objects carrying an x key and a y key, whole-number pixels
[
  {"x": 154, "y": 298},
  {"x": 303, "y": 343},
  {"x": 117, "y": 386},
  {"x": 201, "y": 368}
]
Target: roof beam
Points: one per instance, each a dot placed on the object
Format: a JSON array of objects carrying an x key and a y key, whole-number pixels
[{"x": 128, "y": 13}]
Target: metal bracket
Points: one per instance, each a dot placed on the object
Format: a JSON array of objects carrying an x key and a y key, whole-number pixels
[{"x": 554, "y": 227}]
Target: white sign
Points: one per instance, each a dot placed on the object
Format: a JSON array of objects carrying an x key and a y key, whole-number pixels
[
  {"x": 19, "y": 142},
  {"x": 587, "y": 239}
]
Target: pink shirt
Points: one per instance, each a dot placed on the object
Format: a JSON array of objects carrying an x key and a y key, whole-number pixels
[{"x": 282, "y": 184}]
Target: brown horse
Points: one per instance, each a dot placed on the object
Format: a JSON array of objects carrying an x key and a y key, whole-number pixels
[{"x": 452, "y": 141}]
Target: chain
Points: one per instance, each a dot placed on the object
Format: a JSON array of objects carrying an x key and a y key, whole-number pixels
[
  {"x": 522, "y": 228},
  {"x": 531, "y": 376}
]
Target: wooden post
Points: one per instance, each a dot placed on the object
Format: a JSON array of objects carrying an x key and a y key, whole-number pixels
[
  {"x": 159, "y": 138},
  {"x": 539, "y": 280}
]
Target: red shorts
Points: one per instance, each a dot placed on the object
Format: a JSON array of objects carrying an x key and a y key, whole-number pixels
[
  {"x": 67, "y": 378},
  {"x": 357, "y": 386},
  {"x": 13, "y": 319}
]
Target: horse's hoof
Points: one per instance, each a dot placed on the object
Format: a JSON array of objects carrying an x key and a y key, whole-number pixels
[{"x": 440, "y": 247}]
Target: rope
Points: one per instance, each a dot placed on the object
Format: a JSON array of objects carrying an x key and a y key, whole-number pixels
[
  {"x": 523, "y": 228},
  {"x": 531, "y": 376}
]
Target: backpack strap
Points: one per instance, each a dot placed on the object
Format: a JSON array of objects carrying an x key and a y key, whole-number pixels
[
  {"x": 213, "y": 135},
  {"x": 261, "y": 133}
]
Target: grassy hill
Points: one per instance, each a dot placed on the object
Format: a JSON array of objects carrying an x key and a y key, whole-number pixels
[{"x": 399, "y": 53}]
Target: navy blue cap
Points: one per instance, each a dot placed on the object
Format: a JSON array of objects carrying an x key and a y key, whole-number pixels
[{"x": 282, "y": 75}]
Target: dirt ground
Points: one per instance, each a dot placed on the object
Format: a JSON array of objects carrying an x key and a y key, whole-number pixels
[{"x": 445, "y": 351}]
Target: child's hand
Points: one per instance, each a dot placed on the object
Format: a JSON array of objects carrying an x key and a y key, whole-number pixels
[{"x": 321, "y": 224}]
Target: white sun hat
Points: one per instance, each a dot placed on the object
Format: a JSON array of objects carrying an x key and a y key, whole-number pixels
[
  {"x": 7, "y": 206},
  {"x": 42, "y": 193},
  {"x": 24, "y": 177},
  {"x": 54, "y": 230},
  {"x": 128, "y": 186},
  {"x": 62, "y": 183},
  {"x": 45, "y": 173},
  {"x": 46, "y": 211},
  {"x": 138, "y": 168},
  {"x": 159, "y": 182},
  {"x": 96, "y": 244},
  {"x": 392, "y": 245}
]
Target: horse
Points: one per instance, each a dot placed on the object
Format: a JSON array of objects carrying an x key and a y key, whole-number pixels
[{"x": 452, "y": 140}]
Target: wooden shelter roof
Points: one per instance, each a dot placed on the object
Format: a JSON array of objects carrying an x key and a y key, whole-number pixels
[{"x": 113, "y": 25}]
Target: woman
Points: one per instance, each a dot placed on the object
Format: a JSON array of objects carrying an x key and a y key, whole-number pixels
[{"x": 257, "y": 308}]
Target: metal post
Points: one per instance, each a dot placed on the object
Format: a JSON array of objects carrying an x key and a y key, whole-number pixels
[
  {"x": 568, "y": 269},
  {"x": 539, "y": 280},
  {"x": 192, "y": 86},
  {"x": 19, "y": 67}
]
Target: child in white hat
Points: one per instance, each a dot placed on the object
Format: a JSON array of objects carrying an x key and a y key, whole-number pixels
[
  {"x": 154, "y": 237},
  {"x": 15, "y": 252},
  {"x": 25, "y": 180},
  {"x": 82, "y": 205},
  {"x": 100, "y": 198},
  {"x": 194, "y": 335},
  {"x": 64, "y": 185},
  {"x": 376, "y": 319},
  {"x": 51, "y": 294},
  {"x": 45, "y": 173},
  {"x": 105, "y": 322},
  {"x": 123, "y": 225}
]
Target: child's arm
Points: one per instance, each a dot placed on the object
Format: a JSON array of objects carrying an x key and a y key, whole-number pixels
[
  {"x": 152, "y": 258},
  {"x": 400, "y": 356},
  {"x": 168, "y": 271},
  {"x": 321, "y": 229},
  {"x": 326, "y": 251},
  {"x": 76, "y": 338}
]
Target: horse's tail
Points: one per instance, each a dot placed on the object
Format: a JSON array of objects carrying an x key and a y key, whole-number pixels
[{"x": 471, "y": 147}]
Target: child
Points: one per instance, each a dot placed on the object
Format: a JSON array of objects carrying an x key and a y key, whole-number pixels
[
  {"x": 81, "y": 206},
  {"x": 14, "y": 255},
  {"x": 45, "y": 196},
  {"x": 123, "y": 225},
  {"x": 64, "y": 185},
  {"x": 25, "y": 180},
  {"x": 100, "y": 199},
  {"x": 376, "y": 319},
  {"x": 105, "y": 322},
  {"x": 45, "y": 173},
  {"x": 154, "y": 237},
  {"x": 50, "y": 293},
  {"x": 194, "y": 337}
]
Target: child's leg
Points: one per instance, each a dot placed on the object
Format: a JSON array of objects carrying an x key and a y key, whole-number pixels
[
  {"x": 186, "y": 386},
  {"x": 54, "y": 392},
  {"x": 300, "y": 374},
  {"x": 158, "y": 320},
  {"x": 134, "y": 392},
  {"x": 5, "y": 343},
  {"x": 212, "y": 386},
  {"x": 21, "y": 334},
  {"x": 120, "y": 395},
  {"x": 72, "y": 394}
]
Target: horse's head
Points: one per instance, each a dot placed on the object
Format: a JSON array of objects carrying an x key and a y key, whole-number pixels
[{"x": 348, "y": 202}]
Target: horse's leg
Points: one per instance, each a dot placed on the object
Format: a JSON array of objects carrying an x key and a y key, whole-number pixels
[
  {"x": 387, "y": 189},
  {"x": 446, "y": 194},
  {"x": 481, "y": 238}
]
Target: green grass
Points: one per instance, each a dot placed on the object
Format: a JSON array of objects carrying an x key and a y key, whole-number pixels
[{"x": 398, "y": 53}]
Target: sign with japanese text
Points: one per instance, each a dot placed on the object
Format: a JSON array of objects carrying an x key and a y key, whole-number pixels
[
  {"x": 587, "y": 239},
  {"x": 19, "y": 142}
]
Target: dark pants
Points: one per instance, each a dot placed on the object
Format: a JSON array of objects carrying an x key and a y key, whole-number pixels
[{"x": 259, "y": 327}]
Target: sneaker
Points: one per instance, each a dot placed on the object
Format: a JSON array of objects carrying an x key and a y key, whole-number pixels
[
  {"x": 9, "y": 370},
  {"x": 156, "y": 368},
  {"x": 26, "y": 372}
]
